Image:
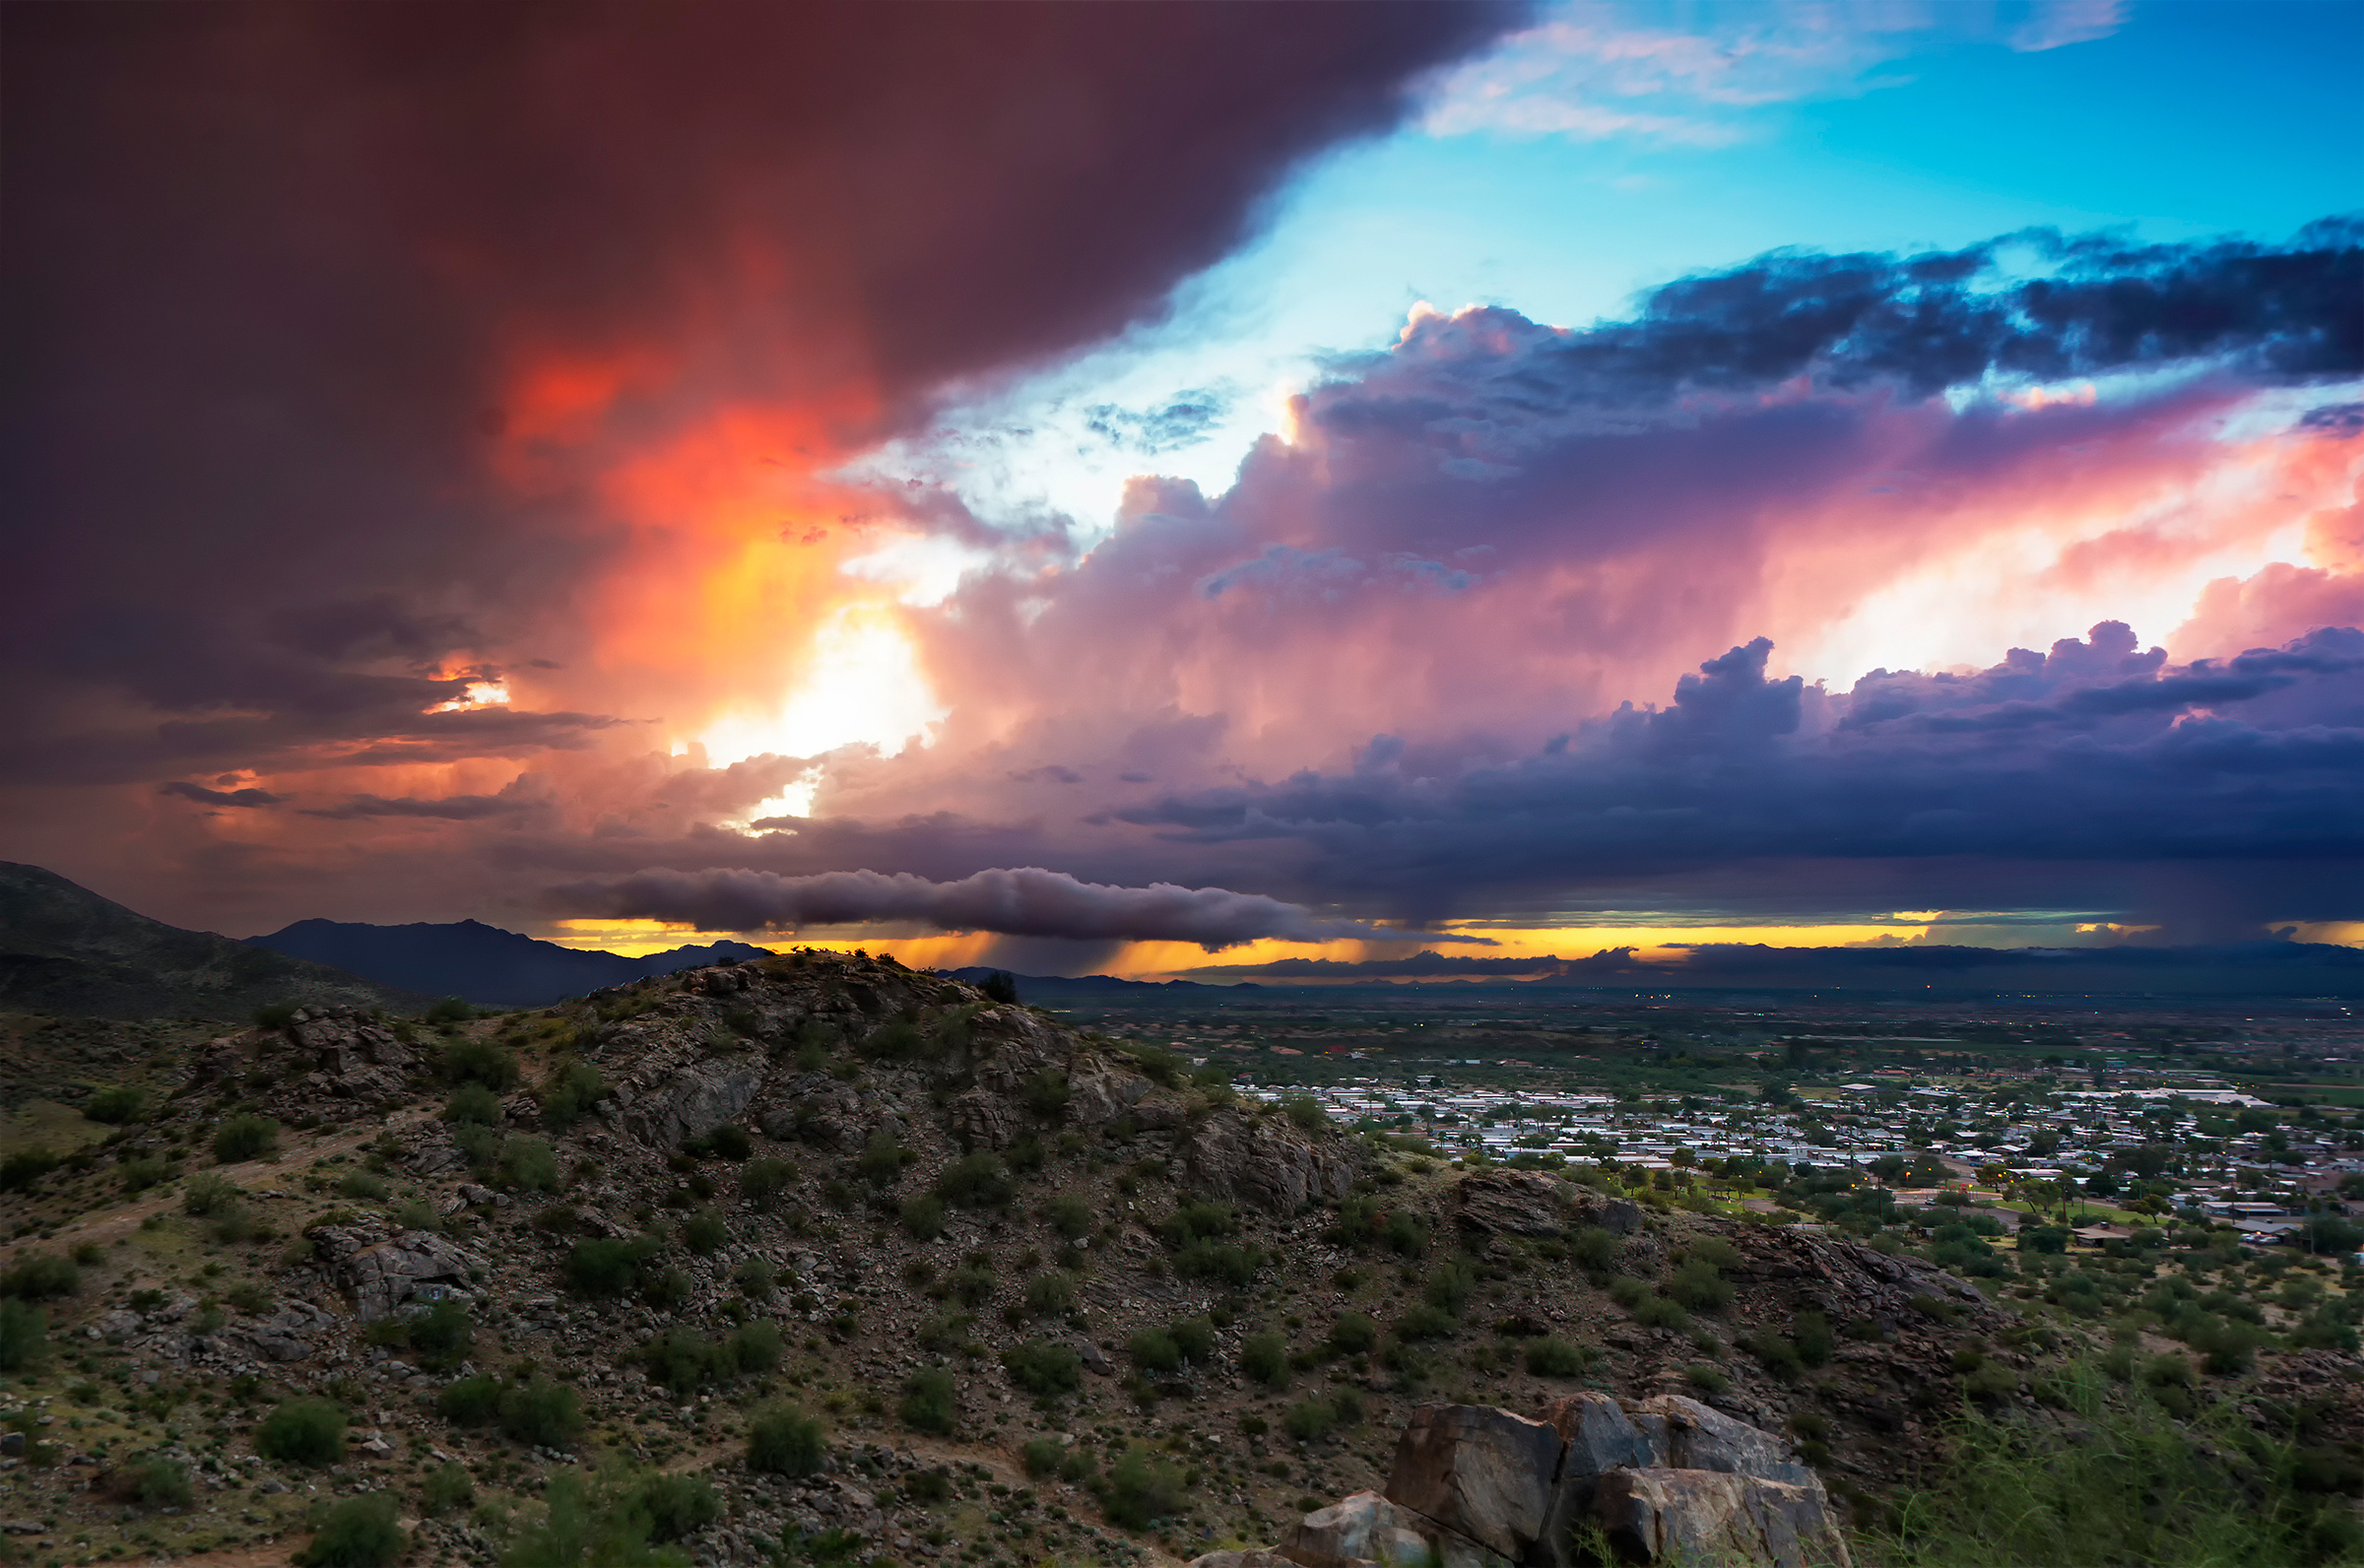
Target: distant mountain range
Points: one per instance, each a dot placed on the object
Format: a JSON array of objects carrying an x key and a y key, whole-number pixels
[
  {"x": 482, "y": 964},
  {"x": 64, "y": 949},
  {"x": 1044, "y": 988}
]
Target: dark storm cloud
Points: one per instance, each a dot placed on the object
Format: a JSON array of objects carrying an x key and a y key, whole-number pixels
[
  {"x": 1026, "y": 901},
  {"x": 204, "y": 797},
  {"x": 526, "y": 793},
  {"x": 270, "y": 263},
  {"x": 2092, "y": 753}
]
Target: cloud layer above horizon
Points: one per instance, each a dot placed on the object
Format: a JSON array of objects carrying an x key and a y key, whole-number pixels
[{"x": 2019, "y": 576}]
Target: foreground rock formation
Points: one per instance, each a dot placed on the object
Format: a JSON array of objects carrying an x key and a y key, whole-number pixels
[{"x": 1664, "y": 1479}]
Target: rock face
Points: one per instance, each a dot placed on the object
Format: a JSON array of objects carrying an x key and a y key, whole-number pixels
[
  {"x": 1690, "y": 1516},
  {"x": 1480, "y": 1472},
  {"x": 674, "y": 1096},
  {"x": 1510, "y": 1202},
  {"x": 1259, "y": 1557},
  {"x": 1265, "y": 1163},
  {"x": 1668, "y": 1480},
  {"x": 381, "y": 1279}
]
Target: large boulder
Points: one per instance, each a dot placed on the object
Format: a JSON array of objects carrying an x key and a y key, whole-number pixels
[
  {"x": 1480, "y": 1471},
  {"x": 381, "y": 1279},
  {"x": 1621, "y": 1217},
  {"x": 1511, "y": 1202},
  {"x": 1693, "y": 1516},
  {"x": 1688, "y": 1435},
  {"x": 1600, "y": 1437},
  {"x": 1366, "y": 1530},
  {"x": 980, "y": 1120},
  {"x": 1253, "y": 1557},
  {"x": 1265, "y": 1163},
  {"x": 665, "y": 1106}
]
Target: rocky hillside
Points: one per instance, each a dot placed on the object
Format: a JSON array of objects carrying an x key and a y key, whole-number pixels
[
  {"x": 66, "y": 951},
  {"x": 814, "y": 1248}
]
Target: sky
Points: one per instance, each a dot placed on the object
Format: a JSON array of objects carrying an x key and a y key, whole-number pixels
[{"x": 1134, "y": 488}]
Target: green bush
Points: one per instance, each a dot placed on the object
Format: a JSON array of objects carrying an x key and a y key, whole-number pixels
[
  {"x": 1706, "y": 1379},
  {"x": 1595, "y": 1249},
  {"x": 761, "y": 1181},
  {"x": 1044, "y": 1368},
  {"x": 302, "y": 1431},
  {"x": 362, "y": 1185},
  {"x": 1069, "y": 1216},
  {"x": 607, "y": 1268},
  {"x": 1553, "y": 1357},
  {"x": 159, "y": 1483},
  {"x": 1699, "y": 1286},
  {"x": 486, "y": 1062},
  {"x": 1046, "y": 1093},
  {"x": 245, "y": 1137},
  {"x": 24, "y": 1335},
  {"x": 1661, "y": 1311},
  {"x": 470, "y": 1402},
  {"x": 143, "y": 1171},
  {"x": 451, "y": 1009},
  {"x": 929, "y": 1402},
  {"x": 1406, "y": 1233},
  {"x": 474, "y": 1103},
  {"x": 1049, "y": 1295},
  {"x": 683, "y": 1359},
  {"x": 1224, "y": 1261},
  {"x": 1041, "y": 1457},
  {"x": 417, "y": 1213},
  {"x": 1353, "y": 1334},
  {"x": 1450, "y": 1287},
  {"x": 1305, "y": 1111},
  {"x": 275, "y": 1015},
  {"x": 677, "y": 1505},
  {"x": 757, "y": 1279},
  {"x": 22, "y": 1171},
  {"x": 358, "y": 1533},
  {"x": 1195, "y": 1339},
  {"x": 706, "y": 1233},
  {"x": 1815, "y": 1342},
  {"x": 1309, "y": 1421},
  {"x": 117, "y": 1106},
  {"x": 668, "y": 1288},
  {"x": 542, "y": 1412},
  {"x": 1200, "y": 1221},
  {"x": 921, "y": 1217},
  {"x": 730, "y": 1142},
  {"x": 782, "y": 1440},
  {"x": 1141, "y": 1489},
  {"x": 573, "y": 1095},
  {"x": 583, "y": 1529},
  {"x": 975, "y": 1181},
  {"x": 881, "y": 1160},
  {"x": 1264, "y": 1359},
  {"x": 41, "y": 1276},
  {"x": 1776, "y": 1354},
  {"x": 754, "y": 1347},
  {"x": 528, "y": 1164},
  {"x": 1155, "y": 1350},
  {"x": 444, "y": 1335},
  {"x": 1427, "y": 1321},
  {"x": 448, "y": 1488}
]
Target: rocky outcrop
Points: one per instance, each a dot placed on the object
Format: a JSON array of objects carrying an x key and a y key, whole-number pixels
[
  {"x": 1479, "y": 1471},
  {"x": 980, "y": 1120},
  {"x": 1693, "y": 1516},
  {"x": 381, "y": 1277},
  {"x": 1667, "y": 1479},
  {"x": 1845, "y": 1279},
  {"x": 1510, "y": 1202},
  {"x": 674, "y": 1095},
  {"x": 1257, "y": 1557},
  {"x": 1265, "y": 1163}
]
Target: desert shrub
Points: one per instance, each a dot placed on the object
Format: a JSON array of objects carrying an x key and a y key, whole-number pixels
[
  {"x": 881, "y": 1160},
  {"x": 1155, "y": 1350},
  {"x": 928, "y": 1488},
  {"x": 754, "y": 1347},
  {"x": 585, "y": 1529},
  {"x": 1551, "y": 1357},
  {"x": 1627, "y": 1291},
  {"x": 601, "y": 1266},
  {"x": 1450, "y": 1287},
  {"x": 1354, "y": 1333},
  {"x": 358, "y": 1533},
  {"x": 756, "y": 1279},
  {"x": 1776, "y": 1354},
  {"x": 975, "y": 1181},
  {"x": 1046, "y": 1093},
  {"x": 302, "y": 1431},
  {"x": 705, "y": 1232},
  {"x": 1071, "y": 1216},
  {"x": 1699, "y": 1286},
  {"x": 1425, "y": 1321},
  {"x": 22, "y": 1170},
  {"x": 472, "y": 1104},
  {"x": 930, "y": 1402},
  {"x": 1406, "y": 1233},
  {"x": 1720, "y": 1255},
  {"x": 441, "y": 1336},
  {"x": 1049, "y": 1295},
  {"x": 1199, "y": 1221},
  {"x": 921, "y": 1217},
  {"x": 208, "y": 1192},
  {"x": 1815, "y": 1342},
  {"x": 1264, "y": 1359},
  {"x": 245, "y": 1137},
  {"x": 1309, "y": 1421},
  {"x": 41, "y": 1276},
  {"x": 675, "y": 1505},
  {"x": 528, "y": 1164},
  {"x": 450, "y": 1010},
  {"x": 999, "y": 986},
  {"x": 143, "y": 1171},
  {"x": 1225, "y": 1261},
  {"x": 1706, "y": 1379},
  {"x": 1142, "y": 1489},
  {"x": 542, "y": 1412},
  {"x": 417, "y": 1213},
  {"x": 486, "y": 1062},
  {"x": 761, "y": 1181},
  {"x": 1661, "y": 1311},
  {"x": 1595, "y": 1248},
  {"x": 667, "y": 1288},
  {"x": 1044, "y": 1368},
  {"x": 1193, "y": 1338},
  {"x": 448, "y": 1488},
  {"x": 159, "y": 1483},
  {"x": 362, "y": 1185},
  {"x": 116, "y": 1106},
  {"x": 570, "y": 1097},
  {"x": 470, "y": 1402},
  {"x": 1041, "y": 1457},
  {"x": 730, "y": 1142},
  {"x": 782, "y": 1440},
  {"x": 24, "y": 1335},
  {"x": 683, "y": 1359},
  {"x": 275, "y": 1015}
]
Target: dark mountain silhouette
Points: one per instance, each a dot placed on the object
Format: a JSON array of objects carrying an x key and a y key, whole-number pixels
[
  {"x": 64, "y": 949},
  {"x": 1042, "y": 988},
  {"x": 482, "y": 964}
]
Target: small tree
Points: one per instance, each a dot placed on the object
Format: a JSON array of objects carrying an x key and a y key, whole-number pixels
[
  {"x": 245, "y": 1137},
  {"x": 929, "y": 1402},
  {"x": 358, "y": 1533},
  {"x": 783, "y": 1440},
  {"x": 302, "y": 1431}
]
